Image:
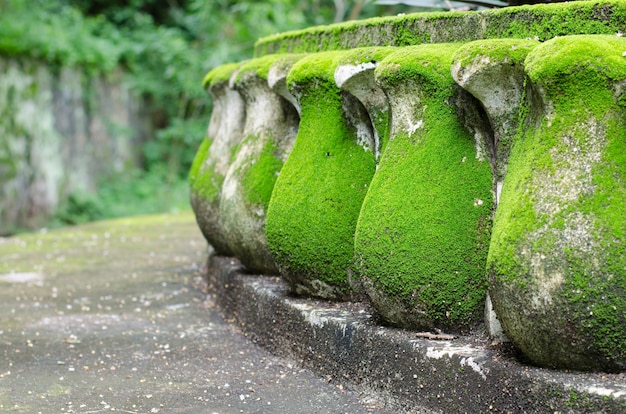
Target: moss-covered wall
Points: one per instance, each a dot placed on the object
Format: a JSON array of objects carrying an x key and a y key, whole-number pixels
[
  {"x": 424, "y": 177},
  {"x": 541, "y": 22},
  {"x": 61, "y": 131}
]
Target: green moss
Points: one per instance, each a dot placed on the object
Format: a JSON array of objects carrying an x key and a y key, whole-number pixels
[
  {"x": 512, "y": 51},
  {"x": 573, "y": 63},
  {"x": 220, "y": 74},
  {"x": 542, "y": 22},
  {"x": 204, "y": 182},
  {"x": 316, "y": 200},
  {"x": 201, "y": 156},
  {"x": 423, "y": 231},
  {"x": 546, "y": 21},
  {"x": 566, "y": 177},
  {"x": 259, "y": 178},
  {"x": 235, "y": 150},
  {"x": 364, "y": 55},
  {"x": 259, "y": 66},
  {"x": 315, "y": 68}
]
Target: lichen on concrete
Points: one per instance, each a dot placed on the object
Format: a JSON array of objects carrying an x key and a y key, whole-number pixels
[
  {"x": 557, "y": 259},
  {"x": 422, "y": 236}
]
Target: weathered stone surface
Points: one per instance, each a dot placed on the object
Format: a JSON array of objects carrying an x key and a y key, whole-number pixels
[
  {"x": 423, "y": 232},
  {"x": 277, "y": 78},
  {"x": 493, "y": 72},
  {"x": 61, "y": 132},
  {"x": 216, "y": 153},
  {"x": 268, "y": 133},
  {"x": 317, "y": 197},
  {"x": 557, "y": 258}
]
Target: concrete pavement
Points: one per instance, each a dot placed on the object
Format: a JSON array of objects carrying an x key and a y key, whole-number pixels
[{"x": 113, "y": 317}]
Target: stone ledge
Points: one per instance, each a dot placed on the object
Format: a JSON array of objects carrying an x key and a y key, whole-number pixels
[
  {"x": 343, "y": 342},
  {"x": 541, "y": 21}
]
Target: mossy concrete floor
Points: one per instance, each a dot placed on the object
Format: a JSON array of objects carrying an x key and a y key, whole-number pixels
[{"x": 114, "y": 317}]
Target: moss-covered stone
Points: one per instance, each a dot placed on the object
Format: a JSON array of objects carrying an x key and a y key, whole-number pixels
[
  {"x": 355, "y": 75},
  {"x": 493, "y": 71},
  {"x": 422, "y": 236},
  {"x": 270, "y": 131},
  {"x": 557, "y": 258},
  {"x": 214, "y": 155},
  {"x": 541, "y": 22},
  {"x": 221, "y": 75},
  {"x": 317, "y": 197}
]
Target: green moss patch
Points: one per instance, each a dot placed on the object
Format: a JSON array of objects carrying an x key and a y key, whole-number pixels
[
  {"x": 423, "y": 232},
  {"x": 316, "y": 200},
  {"x": 204, "y": 183},
  {"x": 259, "y": 178},
  {"x": 258, "y": 67},
  {"x": 511, "y": 51},
  {"x": 220, "y": 74}
]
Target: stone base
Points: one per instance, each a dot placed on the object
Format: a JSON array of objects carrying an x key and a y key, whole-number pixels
[{"x": 409, "y": 372}]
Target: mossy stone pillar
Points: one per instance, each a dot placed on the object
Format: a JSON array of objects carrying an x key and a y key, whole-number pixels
[
  {"x": 422, "y": 236},
  {"x": 270, "y": 129},
  {"x": 557, "y": 261},
  {"x": 355, "y": 75},
  {"x": 493, "y": 71},
  {"x": 317, "y": 197},
  {"x": 215, "y": 154}
]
